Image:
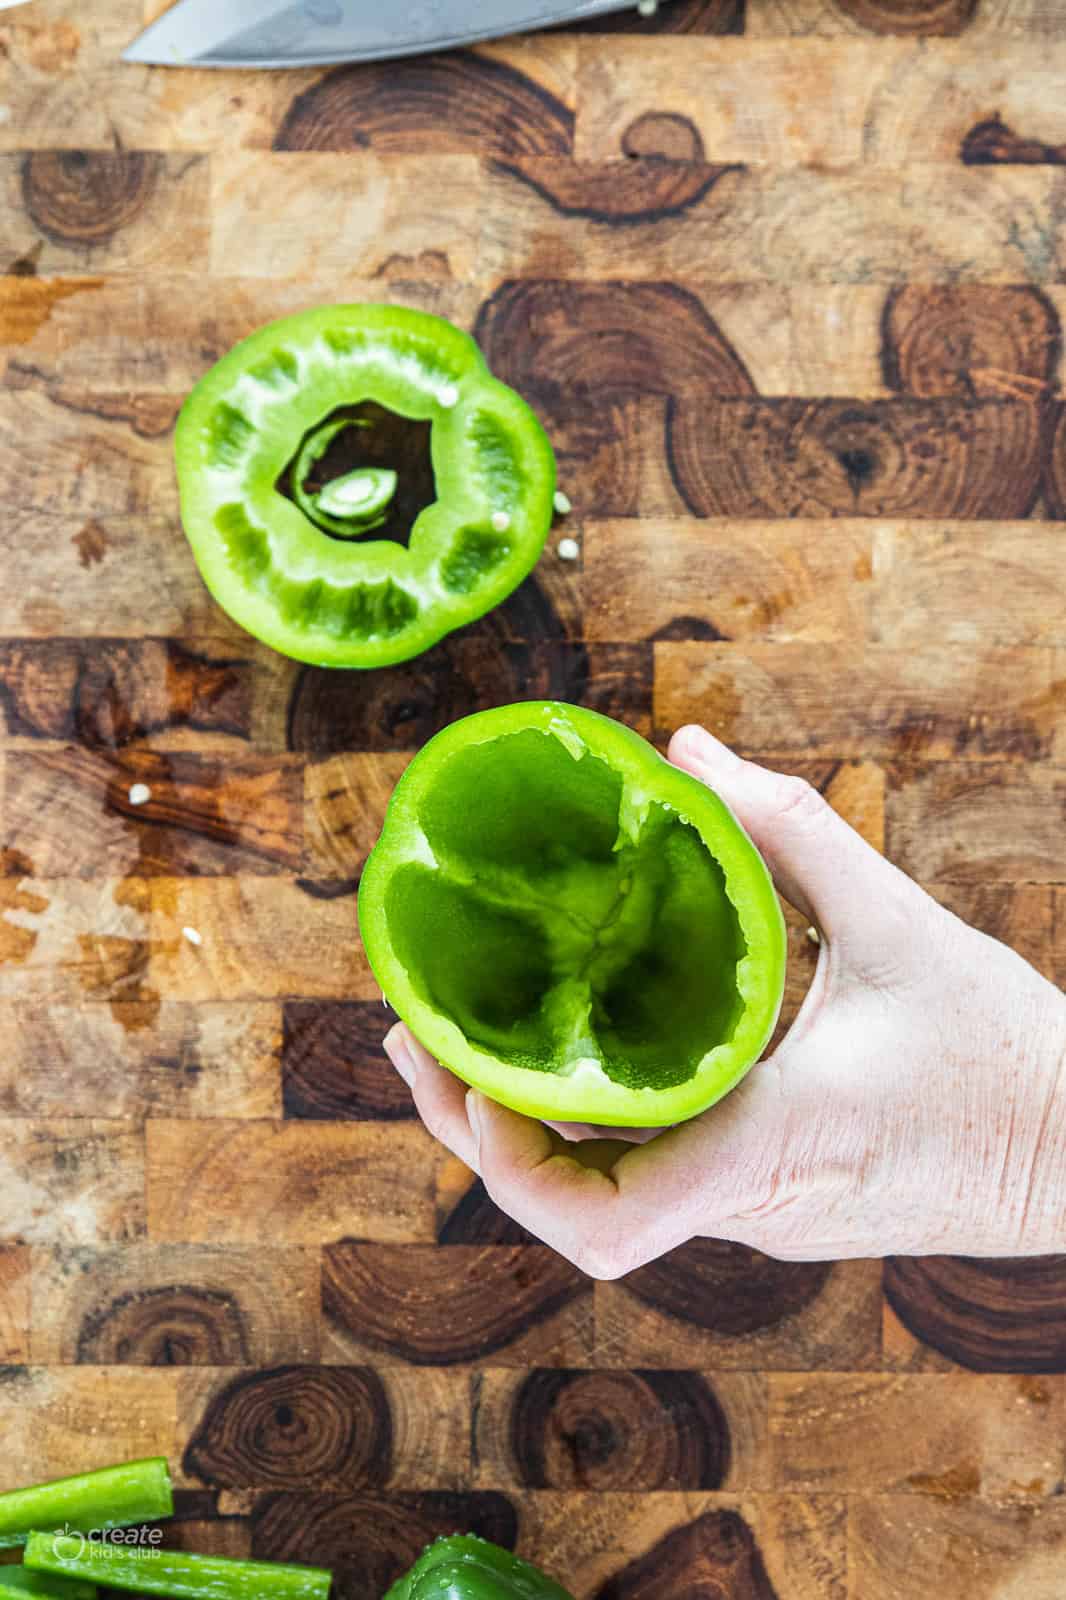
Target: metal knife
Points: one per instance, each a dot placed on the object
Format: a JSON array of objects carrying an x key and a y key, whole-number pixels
[{"x": 311, "y": 33}]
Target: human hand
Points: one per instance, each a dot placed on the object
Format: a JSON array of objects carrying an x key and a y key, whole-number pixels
[{"x": 917, "y": 1104}]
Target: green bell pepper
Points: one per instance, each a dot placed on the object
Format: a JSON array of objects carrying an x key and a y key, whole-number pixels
[
  {"x": 173, "y": 1573},
  {"x": 464, "y": 1567},
  {"x": 113, "y": 1497},
  {"x": 282, "y": 543},
  {"x": 570, "y": 923},
  {"x": 18, "y": 1583}
]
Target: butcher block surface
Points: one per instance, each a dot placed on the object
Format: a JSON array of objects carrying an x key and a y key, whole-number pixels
[{"x": 787, "y": 284}]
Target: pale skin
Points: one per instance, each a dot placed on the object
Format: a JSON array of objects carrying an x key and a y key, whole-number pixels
[{"x": 916, "y": 1106}]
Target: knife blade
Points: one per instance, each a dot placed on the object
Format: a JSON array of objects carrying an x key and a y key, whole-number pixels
[{"x": 306, "y": 33}]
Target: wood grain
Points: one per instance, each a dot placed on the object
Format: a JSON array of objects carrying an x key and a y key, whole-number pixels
[
  {"x": 77, "y": 1182},
  {"x": 345, "y": 798},
  {"x": 706, "y": 580},
  {"x": 69, "y": 811},
  {"x": 173, "y": 1305},
  {"x": 373, "y": 218},
  {"x": 144, "y": 1057},
  {"x": 888, "y": 704},
  {"x": 916, "y": 1434},
  {"x": 111, "y": 210},
  {"x": 311, "y": 1184},
  {"x": 122, "y": 691},
  {"x": 325, "y": 1429},
  {"x": 949, "y": 823},
  {"x": 513, "y": 1304},
  {"x": 805, "y": 1315},
  {"x": 481, "y": 104},
  {"x": 257, "y": 937},
  {"x": 857, "y": 224},
  {"x": 1021, "y": 915},
  {"x": 966, "y": 1546},
  {"x": 998, "y": 583},
  {"x": 615, "y": 1431},
  {"x": 846, "y": 458},
  {"x": 93, "y": 1415},
  {"x": 370, "y": 1537},
  {"x": 332, "y": 1063},
  {"x": 957, "y": 1306},
  {"x": 786, "y": 282},
  {"x": 752, "y": 1547},
  {"x": 14, "y": 1304}
]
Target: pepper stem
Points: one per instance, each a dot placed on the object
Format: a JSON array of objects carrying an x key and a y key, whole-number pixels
[{"x": 350, "y": 505}]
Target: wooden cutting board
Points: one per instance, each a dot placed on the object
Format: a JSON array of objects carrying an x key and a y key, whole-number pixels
[{"x": 787, "y": 284}]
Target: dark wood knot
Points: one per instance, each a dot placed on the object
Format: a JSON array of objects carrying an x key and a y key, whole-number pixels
[
  {"x": 709, "y": 1559},
  {"x": 460, "y": 100},
  {"x": 727, "y": 1288},
  {"x": 295, "y": 1427},
  {"x": 614, "y": 1430},
  {"x": 991, "y": 1315},
  {"x": 368, "y": 1540},
  {"x": 441, "y": 1307},
  {"x": 174, "y": 1325},
  {"x": 84, "y": 197}
]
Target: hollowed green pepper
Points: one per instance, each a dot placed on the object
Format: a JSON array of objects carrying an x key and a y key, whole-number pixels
[
  {"x": 290, "y": 560},
  {"x": 464, "y": 1567},
  {"x": 570, "y": 923}
]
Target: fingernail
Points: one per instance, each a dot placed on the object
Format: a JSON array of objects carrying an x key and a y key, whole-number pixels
[{"x": 398, "y": 1053}]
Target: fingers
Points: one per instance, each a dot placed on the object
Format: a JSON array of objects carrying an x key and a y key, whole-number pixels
[
  {"x": 574, "y": 1206},
  {"x": 599, "y": 1219},
  {"x": 439, "y": 1097},
  {"x": 610, "y": 1207},
  {"x": 820, "y": 864}
]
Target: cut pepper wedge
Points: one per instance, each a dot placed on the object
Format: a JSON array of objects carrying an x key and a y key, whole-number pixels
[
  {"x": 464, "y": 1567},
  {"x": 296, "y": 568},
  {"x": 174, "y": 1574},
  {"x": 110, "y": 1497},
  {"x": 570, "y": 923}
]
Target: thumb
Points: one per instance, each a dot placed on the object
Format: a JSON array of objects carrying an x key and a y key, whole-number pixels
[{"x": 819, "y": 863}]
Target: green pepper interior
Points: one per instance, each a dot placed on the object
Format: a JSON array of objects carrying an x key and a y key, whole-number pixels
[
  {"x": 357, "y": 437},
  {"x": 564, "y": 922}
]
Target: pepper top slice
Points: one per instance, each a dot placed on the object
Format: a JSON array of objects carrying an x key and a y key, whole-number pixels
[
  {"x": 298, "y": 568},
  {"x": 570, "y": 923},
  {"x": 464, "y": 1567}
]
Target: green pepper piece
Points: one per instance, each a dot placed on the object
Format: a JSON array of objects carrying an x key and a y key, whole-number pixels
[
  {"x": 464, "y": 1567},
  {"x": 299, "y": 573},
  {"x": 570, "y": 923},
  {"x": 150, "y": 1570},
  {"x": 113, "y": 1497},
  {"x": 18, "y": 1583}
]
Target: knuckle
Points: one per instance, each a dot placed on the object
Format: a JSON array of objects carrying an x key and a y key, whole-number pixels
[
  {"x": 599, "y": 1259},
  {"x": 799, "y": 801}
]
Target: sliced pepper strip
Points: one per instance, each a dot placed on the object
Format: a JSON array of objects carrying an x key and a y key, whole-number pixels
[
  {"x": 174, "y": 1573},
  {"x": 464, "y": 1567},
  {"x": 353, "y": 601},
  {"x": 112, "y": 1497},
  {"x": 570, "y": 923},
  {"x": 19, "y": 1583}
]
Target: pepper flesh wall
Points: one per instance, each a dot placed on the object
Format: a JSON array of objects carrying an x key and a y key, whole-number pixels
[
  {"x": 295, "y": 566},
  {"x": 464, "y": 1567},
  {"x": 570, "y": 923}
]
